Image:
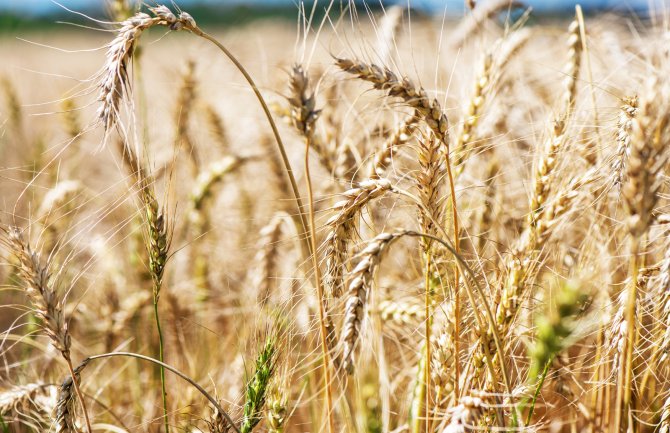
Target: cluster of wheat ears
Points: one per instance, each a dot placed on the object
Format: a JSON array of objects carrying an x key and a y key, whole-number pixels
[{"x": 489, "y": 252}]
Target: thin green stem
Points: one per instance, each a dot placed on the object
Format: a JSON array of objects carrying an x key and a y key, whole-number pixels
[
  {"x": 3, "y": 424},
  {"x": 162, "y": 369},
  {"x": 538, "y": 388}
]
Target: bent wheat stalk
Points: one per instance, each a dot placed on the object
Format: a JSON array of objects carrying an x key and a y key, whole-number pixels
[{"x": 207, "y": 395}]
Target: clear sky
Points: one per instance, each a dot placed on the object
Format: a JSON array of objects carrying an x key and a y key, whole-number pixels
[{"x": 45, "y": 6}]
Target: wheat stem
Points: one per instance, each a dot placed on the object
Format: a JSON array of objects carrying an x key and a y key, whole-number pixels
[{"x": 319, "y": 288}]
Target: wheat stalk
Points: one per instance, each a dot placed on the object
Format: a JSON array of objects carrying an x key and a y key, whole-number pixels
[{"x": 651, "y": 132}]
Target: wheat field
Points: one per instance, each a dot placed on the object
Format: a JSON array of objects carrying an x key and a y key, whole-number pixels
[{"x": 363, "y": 220}]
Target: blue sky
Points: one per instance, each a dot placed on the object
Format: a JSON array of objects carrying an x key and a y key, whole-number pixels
[{"x": 45, "y": 6}]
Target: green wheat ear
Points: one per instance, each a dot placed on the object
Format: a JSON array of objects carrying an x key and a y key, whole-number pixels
[
  {"x": 256, "y": 389},
  {"x": 555, "y": 326}
]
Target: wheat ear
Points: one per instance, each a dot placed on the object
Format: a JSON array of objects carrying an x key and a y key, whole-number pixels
[
  {"x": 119, "y": 10},
  {"x": 664, "y": 289},
  {"x": 465, "y": 415},
  {"x": 342, "y": 225},
  {"x": 303, "y": 115},
  {"x": 70, "y": 118},
  {"x": 48, "y": 305},
  {"x": 65, "y": 406},
  {"x": 388, "y": 30},
  {"x": 186, "y": 98},
  {"x": 204, "y": 187},
  {"x": 263, "y": 275},
  {"x": 357, "y": 294},
  {"x": 277, "y": 414},
  {"x": 416, "y": 97},
  {"x": 624, "y": 128},
  {"x": 572, "y": 67},
  {"x": 18, "y": 399},
  {"x": 492, "y": 66},
  {"x": 218, "y": 423},
  {"x": 401, "y": 312},
  {"x": 400, "y": 136},
  {"x": 473, "y": 113},
  {"x": 444, "y": 356},
  {"x": 257, "y": 387},
  {"x": 217, "y": 127},
  {"x": 113, "y": 82},
  {"x": 429, "y": 179}
]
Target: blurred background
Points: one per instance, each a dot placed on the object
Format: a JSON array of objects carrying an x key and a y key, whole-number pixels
[{"x": 26, "y": 13}]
